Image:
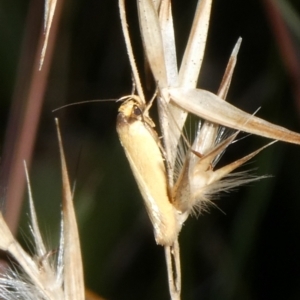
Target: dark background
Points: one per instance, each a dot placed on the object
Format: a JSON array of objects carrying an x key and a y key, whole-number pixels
[{"x": 252, "y": 250}]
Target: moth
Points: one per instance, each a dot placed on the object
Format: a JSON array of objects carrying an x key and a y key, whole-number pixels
[{"x": 140, "y": 142}]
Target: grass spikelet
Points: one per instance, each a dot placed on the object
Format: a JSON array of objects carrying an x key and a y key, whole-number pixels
[
  {"x": 193, "y": 180},
  {"x": 47, "y": 274}
]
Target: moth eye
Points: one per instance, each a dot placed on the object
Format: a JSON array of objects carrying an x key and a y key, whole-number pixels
[{"x": 137, "y": 111}]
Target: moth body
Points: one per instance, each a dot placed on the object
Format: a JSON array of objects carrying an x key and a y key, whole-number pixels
[{"x": 140, "y": 143}]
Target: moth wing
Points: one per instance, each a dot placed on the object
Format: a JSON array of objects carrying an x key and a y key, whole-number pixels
[{"x": 147, "y": 165}]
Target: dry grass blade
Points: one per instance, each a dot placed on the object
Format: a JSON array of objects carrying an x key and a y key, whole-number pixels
[
  {"x": 207, "y": 133},
  {"x": 226, "y": 80},
  {"x": 152, "y": 41},
  {"x": 222, "y": 172},
  {"x": 39, "y": 244},
  {"x": 194, "y": 52},
  {"x": 50, "y": 6},
  {"x": 211, "y": 107},
  {"x": 130, "y": 51},
  {"x": 189, "y": 69},
  {"x": 157, "y": 33},
  {"x": 73, "y": 270},
  {"x": 168, "y": 39},
  {"x": 166, "y": 108}
]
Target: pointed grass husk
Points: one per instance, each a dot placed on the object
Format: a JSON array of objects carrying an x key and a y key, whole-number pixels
[
  {"x": 73, "y": 269},
  {"x": 46, "y": 275}
]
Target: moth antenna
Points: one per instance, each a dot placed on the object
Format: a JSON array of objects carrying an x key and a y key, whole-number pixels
[{"x": 84, "y": 102}]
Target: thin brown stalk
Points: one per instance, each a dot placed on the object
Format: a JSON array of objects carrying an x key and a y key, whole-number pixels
[{"x": 23, "y": 123}]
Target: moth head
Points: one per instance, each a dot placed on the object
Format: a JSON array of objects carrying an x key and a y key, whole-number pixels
[{"x": 133, "y": 109}]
